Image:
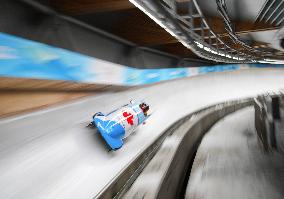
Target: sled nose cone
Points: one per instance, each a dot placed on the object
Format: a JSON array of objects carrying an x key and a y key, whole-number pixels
[{"x": 111, "y": 132}]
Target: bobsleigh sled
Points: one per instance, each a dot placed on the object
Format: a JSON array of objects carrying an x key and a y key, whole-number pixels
[{"x": 120, "y": 123}]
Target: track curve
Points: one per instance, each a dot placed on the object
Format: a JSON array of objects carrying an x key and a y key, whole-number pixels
[{"x": 51, "y": 154}]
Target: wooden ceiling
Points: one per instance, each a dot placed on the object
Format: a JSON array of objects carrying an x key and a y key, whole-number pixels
[
  {"x": 123, "y": 19},
  {"x": 83, "y": 7}
]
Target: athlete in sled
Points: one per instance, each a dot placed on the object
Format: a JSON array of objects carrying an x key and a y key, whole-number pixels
[{"x": 120, "y": 123}]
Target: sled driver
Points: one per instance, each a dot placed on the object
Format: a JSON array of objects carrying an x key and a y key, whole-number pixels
[{"x": 144, "y": 107}]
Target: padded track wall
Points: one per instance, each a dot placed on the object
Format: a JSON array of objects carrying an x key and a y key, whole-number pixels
[{"x": 22, "y": 58}]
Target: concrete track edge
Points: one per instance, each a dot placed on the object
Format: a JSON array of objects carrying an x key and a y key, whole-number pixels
[{"x": 185, "y": 151}]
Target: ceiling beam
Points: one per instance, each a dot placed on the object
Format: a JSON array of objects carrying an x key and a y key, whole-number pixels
[{"x": 84, "y": 7}]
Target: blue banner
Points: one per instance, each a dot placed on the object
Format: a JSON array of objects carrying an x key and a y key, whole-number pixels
[{"x": 23, "y": 58}]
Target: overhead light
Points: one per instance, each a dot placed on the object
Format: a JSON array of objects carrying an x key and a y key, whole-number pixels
[
  {"x": 207, "y": 49},
  {"x": 199, "y": 44},
  {"x": 271, "y": 61}
]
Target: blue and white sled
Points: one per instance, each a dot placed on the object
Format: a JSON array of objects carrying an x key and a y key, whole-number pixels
[{"x": 119, "y": 124}]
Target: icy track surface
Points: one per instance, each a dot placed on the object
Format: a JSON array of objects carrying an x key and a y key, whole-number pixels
[
  {"x": 51, "y": 154},
  {"x": 230, "y": 163}
]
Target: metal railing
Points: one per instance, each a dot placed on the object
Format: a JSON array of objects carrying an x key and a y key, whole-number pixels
[
  {"x": 192, "y": 30},
  {"x": 272, "y": 12}
]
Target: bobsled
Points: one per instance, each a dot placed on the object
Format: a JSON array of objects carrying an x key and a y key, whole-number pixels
[{"x": 115, "y": 126}]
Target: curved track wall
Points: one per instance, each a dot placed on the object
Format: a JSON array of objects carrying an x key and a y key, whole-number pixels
[{"x": 50, "y": 153}]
